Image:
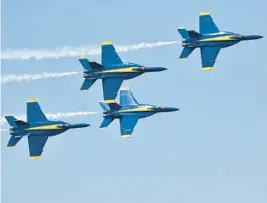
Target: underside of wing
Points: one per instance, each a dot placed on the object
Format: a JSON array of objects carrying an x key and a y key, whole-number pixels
[
  {"x": 127, "y": 125},
  {"x": 126, "y": 97},
  {"x": 109, "y": 54},
  {"x": 34, "y": 112},
  {"x": 36, "y": 145},
  {"x": 206, "y": 24},
  {"x": 111, "y": 88},
  {"x": 208, "y": 57}
]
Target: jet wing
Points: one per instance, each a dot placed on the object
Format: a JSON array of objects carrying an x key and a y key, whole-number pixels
[
  {"x": 36, "y": 145},
  {"x": 206, "y": 24},
  {"x": 127, "y": 124},
  {"x": 126, "y": 97},
  {"x": 111, "y": 88},
  {"x": 34, "y": 112},
  {"x": 208, "y": 57},
  {"x": 109, "y": 54}
]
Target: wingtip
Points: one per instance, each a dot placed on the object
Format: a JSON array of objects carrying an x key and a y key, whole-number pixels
[
  {"x": 125, "y": 88},
  {"x": 35, "y": 157},
  {"x": 107, "y": 43},
  {"x": 204, "y": 13},
  {"x": 180, "y": 28},
  {"x": 208, "y": 68},
  {"x": 126, "y": 136},
  {"x": 32, "y": 100},
  {"x": 109, "y": 101}
]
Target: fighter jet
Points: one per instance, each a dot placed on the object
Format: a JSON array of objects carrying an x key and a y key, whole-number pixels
[
  {"x": 112, "y": 72},
  {"x": 210, "y": 40},
  {"x": 37, "y": 128},
  {"x": 129, "y": 111}
]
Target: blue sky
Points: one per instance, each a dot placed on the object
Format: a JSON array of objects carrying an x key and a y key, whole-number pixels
[{"x": 212, "y": 150}]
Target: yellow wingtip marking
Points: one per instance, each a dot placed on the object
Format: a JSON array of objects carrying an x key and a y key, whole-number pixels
[
  {"x": 32, "y": 100},
  {"x": 125, "y": 88},
  {"x": 110, "y": 101},
  {"x": 107, "y": 43},
  {"x": 205, "y": 13},
  {"x": 10, "y": 146},
  {"x": 181, "y": 28},
  {"x": 83, "y": 90},
  {"x": 182, "y": 59},
  {"x": 82, "y": 57},
  {"x": 126, "y": 136},
  {"x": 208, "y": 68},
  {"x": 8, "y": 115},
  {"x": 35, "y": 157}
]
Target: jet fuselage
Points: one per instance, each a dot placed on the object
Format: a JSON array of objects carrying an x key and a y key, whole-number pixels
[
  {"x": 120, "y": 71},
  {"x": 139, "y": 111},
  {"x": 220, "y": 40},
  {"x": 49, "y": 128}
]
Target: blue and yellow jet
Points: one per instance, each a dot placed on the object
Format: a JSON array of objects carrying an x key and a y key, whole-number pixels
[
  {"x": 37, "y": 128},
  {"x": 129, "y": 111},
  {"x": 210, "y": 40},
  {"x": 112, "y": 72}
]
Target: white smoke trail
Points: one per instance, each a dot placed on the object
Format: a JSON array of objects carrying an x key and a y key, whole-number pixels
[
  {"x": 54, "y": 115},
  {"x": 28, "y": 77},
  {"x": 69, "y": 51}
]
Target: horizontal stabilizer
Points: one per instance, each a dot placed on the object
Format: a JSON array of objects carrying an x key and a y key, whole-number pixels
[
  {"x": 183, "y": 32},
  {"x": 11, "y": 121},
  {"x": 85, "y": 63},
  {"x": 13, "y": 141},
  {"x": 87, "y": 84},
  {"x": 106, "y": 122},
  {"x": 186, "y": 52}
]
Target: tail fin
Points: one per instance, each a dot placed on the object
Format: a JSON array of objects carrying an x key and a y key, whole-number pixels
[
  {"x": 110, "y": 105},
  {"x": 126, "y": 97},
  {"x": 90, "y": 65},
  {"x": 186, "y": 52},
  {"x": 11, "y": 121}
]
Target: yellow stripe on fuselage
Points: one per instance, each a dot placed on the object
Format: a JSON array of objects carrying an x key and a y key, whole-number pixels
[
  {"x": 217, "y": 39},
  {"x": 121, "y": 70},
  {"x": 138, "y": 109},
  {"x": 45, "y": 127}
]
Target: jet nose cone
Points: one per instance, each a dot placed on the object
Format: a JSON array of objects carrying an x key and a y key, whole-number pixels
[
  {"x": 156, "y": 69},
  {"x": 251, "y": 37},
  {"x": 169, "y": 109},
  {"x": 79, "y": 125}
]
